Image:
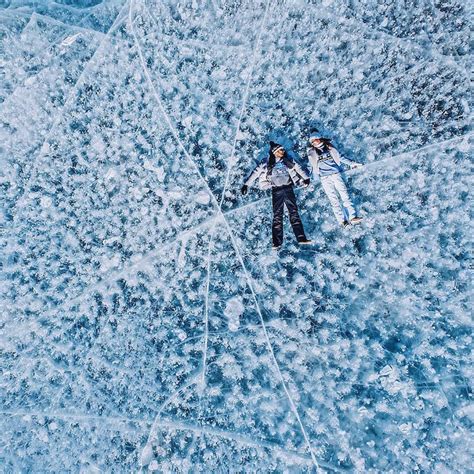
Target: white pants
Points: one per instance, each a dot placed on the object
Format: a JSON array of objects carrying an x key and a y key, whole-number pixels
[{"x": 334, "y": 187}]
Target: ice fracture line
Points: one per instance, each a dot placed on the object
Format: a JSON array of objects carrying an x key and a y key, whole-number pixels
[
  {"x": 228, "y": 166},
  {"x": 229, "y": 230},
  {"x": 68, "y": 102},
  {"x": 206, "y": 309}
]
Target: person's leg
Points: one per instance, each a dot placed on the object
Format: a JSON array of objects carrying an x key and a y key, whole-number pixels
[
  {"x": 327, "y": 182},
  {"x": 346, "y": 200},
  {"x": 278, "y": 200},
  {"x": 295, "y": 220}
]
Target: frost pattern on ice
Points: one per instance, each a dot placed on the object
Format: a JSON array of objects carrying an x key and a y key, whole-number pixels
[{"x": 147, "y": 323}]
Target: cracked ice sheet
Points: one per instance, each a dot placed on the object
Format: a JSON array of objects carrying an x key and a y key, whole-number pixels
[
  {"x": 441, "y": 26},
  {"x": 35, "y": 46},
  {"x": 11, "y": 27},
  {"x": 58, "y": 442},
  {"x": 371, "y": 91},
  {"x": 29, "y": 112},
  {"x": 201, "y": 87},
  {"x": 119, "y": 349},
  {"x": 373, "y": 341},
  {"x": 203, "y": 449},
  {"x": 404, "y": 270},
  {"x": 143, "y": 190},
  {"x": 97, "y": 17},
  {"x": 240, "y": 374}
]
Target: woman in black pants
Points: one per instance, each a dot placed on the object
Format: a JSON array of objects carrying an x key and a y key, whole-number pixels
[{"x": 280, "y": 173}]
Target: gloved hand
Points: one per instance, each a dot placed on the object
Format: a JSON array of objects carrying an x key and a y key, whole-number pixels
[
  {"x": 356, "y": 165},
  {"x": 244, "y": 189},
  {"x": 306, "y": 182}
]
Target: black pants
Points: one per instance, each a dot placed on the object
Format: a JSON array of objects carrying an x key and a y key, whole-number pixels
[{"x": 281, "y": 196}]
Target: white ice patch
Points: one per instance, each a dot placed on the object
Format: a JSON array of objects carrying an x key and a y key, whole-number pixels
[
  {"x": 405, "y": 428},
  {"x": 107, "y": 262},
  {"x": 158, "y": 170},
  {"x": 111, "y": 174},
  {"x": 137, "y": 193},
  {"x": 42, "y": 434},
  {"x": 111, "y": 240},
  {"x": 386, "y": 371},
  {"x": 187, "y": 121},
  {"x": 70, "y": 40},
  {"x": 46, "y": 202},
  {"x": 147, "y": 455},
  {"x": 232, "y": 161},
  {"x": 233, "y": 311},
  {"x": 358, "y": 75},
  {"x": 98, "y": 145},
  {"x": 31, "y": 80},
  {"x": 219, "y": 74},
  {"x": 464, "y": 146},
  {"x": 241, "y": 135},
  {"x": 182, "y": 254},
  {"x": 203, "y": 198},
  {"x": 175, "y": 193}
]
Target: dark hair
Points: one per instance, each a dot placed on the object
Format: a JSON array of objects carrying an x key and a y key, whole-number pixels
[
  {"x": 317, "y": 133},
  {"x": 271, "y": 161},
  {"x": 289, "y": 163},
  {"x": 326, "y": 141}
]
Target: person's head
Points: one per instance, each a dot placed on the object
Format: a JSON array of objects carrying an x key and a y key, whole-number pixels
[
  {"x": 316, "y": 139},
  {"x": 277, "y": 150},
  {"x": 279, "y": 153}
]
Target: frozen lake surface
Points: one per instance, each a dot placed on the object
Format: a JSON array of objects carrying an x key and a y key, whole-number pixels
[{"x": 146, "y": 324}]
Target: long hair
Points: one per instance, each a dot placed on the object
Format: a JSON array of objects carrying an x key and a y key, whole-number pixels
[
  {"x": 326, "y": 145},
  {"x": 326, "y": 141},
  {"x": 271, "y": 161}
]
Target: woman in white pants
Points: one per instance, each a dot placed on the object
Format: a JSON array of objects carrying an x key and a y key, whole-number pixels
[{"x": 327, "y": 164}]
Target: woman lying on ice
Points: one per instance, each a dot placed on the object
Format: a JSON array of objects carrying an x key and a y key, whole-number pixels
[
  {"x": 326, "y": 162},
  {"x": 280, "y": 173}
]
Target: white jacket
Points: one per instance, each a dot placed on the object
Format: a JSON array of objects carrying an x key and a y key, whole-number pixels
[
  {"x": 297, "y": 175},
  {"x": 313, "y": 158}
]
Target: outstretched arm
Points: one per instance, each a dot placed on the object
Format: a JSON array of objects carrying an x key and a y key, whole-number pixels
[
  {"x": 299, "y": 169},
  {"x": 258, "y": 170},
  {"x": 340, "y": 159},
  {"x": 351, "y": 163}
]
